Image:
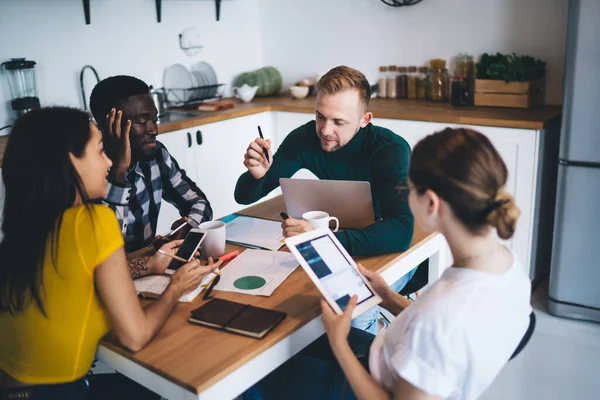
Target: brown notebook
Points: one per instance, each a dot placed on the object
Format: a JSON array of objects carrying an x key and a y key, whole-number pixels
[{"x": 239, "y": 318}]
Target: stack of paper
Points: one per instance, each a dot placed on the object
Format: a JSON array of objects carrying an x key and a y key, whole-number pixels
[
  {"x": 153, "y": 286},
  {"x": 257, "y": 272},
  {"x": 254, "y": 232}
]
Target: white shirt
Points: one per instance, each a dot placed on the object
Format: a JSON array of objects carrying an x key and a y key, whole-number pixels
[{"x": 456, "y": 337}]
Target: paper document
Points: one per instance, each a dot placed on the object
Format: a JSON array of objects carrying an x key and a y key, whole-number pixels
[
  {"x": 254, "y": 232},
  {"x": 257, "y": 272},
  {"x": 153, "y": 286}
]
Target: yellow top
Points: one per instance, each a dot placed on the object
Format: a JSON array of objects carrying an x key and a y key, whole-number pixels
[{"x": 60, "y": 348}]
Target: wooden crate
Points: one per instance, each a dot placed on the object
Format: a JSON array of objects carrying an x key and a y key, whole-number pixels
[{"x": 513, "y": 94}]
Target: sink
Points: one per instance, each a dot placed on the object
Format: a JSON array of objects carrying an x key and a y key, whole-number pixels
[{"x": 172, "y": 116}]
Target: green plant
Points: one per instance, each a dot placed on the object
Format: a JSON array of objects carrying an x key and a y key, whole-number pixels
[{"x": 510, "y": 67}]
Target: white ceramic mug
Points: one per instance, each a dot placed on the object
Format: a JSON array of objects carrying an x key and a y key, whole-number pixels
[
  {"x": 213, "y": 244},
  {"x": 320, "y": 219}
]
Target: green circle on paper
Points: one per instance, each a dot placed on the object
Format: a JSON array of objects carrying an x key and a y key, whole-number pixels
[{"x": 249, "y": 282}]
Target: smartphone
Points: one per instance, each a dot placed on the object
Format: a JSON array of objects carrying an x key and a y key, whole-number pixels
[
  {"x": 188, "y": 248},
  {"x": 174, "y": 231}
]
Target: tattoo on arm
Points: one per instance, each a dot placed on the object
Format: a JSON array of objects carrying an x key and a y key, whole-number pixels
[{"x": 138, "y": 266}]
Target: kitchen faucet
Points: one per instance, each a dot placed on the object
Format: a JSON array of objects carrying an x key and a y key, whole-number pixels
[{"x": 83, "y": 97}]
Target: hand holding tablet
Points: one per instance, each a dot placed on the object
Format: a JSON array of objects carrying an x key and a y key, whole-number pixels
[{"x": 332, "y": 270}]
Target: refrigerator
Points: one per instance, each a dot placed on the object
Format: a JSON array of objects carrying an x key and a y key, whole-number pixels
[{"x": 574, "y": 287}]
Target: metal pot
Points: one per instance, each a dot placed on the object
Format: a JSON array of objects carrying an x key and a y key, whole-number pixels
[{"x": 158, "y": 97}]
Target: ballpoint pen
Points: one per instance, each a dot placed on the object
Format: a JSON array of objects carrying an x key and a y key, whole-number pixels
[
  {"x": 265, "y": 151},
  {"x": 224, "y": 258}
]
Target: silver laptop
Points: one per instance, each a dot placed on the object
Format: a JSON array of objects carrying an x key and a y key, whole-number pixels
[{"x": 349, "y": 201}]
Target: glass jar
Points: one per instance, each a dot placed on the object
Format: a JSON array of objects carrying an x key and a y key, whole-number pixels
[
  {"x": 411, "y": 83},
  {"x": 422, "y": 83},
  {"x": 460, "y": 88},
  {"x": 382, "y": 82},
  {"x": 439, "y": 81},
  {"x": 402, "y": 81},
  {"x": 392, "y": 82}
]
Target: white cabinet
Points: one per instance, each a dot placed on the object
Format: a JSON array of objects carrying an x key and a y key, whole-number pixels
[
  {"x": 178, "y": 143},
  {"x": 212, "y": 156},
  {"x": 286, "y": 122},
  {"x": 220, "y": 157},
  {"x": 520, "y": 150}
]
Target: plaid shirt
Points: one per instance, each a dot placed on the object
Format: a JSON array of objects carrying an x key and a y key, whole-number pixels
[{"x": 162, "y": 178}]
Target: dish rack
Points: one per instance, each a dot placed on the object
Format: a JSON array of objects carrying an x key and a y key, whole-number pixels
[{"x": 195, "y": 95}]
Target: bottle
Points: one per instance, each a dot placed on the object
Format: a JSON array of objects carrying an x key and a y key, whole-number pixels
[
  {"x": 439, "y": 80},
  {"x": 382, "y": 82},
  {"x": 422, "y": 83},
  {"x": 411, "y": 83},
  {"x": 461, "y": 92},
  {"x": 402, "y": 80},
  {"x": 392, "y": 82}
]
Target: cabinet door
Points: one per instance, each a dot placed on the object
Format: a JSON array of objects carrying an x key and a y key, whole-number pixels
[
  {"x": 220, "y": 149},
  {"x": 519, "y": 149},
  {"x": 180, "y": 146},
  {"x": 286, "y": 122}
]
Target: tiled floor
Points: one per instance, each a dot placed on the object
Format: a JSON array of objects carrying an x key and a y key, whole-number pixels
[{"x": 561, "y": 362}]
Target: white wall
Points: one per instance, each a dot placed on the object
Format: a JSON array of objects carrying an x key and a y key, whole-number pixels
[
  {"x": 123, "y": 38},
  {"x": 308, "y": 37}
]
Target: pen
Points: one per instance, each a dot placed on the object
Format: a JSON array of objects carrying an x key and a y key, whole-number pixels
[
  {"x": 264, "y": 149},
  {"x": 224, "y": 259},
  {"x": 284, "y": 215},
  {"x": 173, "y": 256}
]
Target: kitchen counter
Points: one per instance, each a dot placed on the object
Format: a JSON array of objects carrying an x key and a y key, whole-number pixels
[{"x": 535, "y": 119}]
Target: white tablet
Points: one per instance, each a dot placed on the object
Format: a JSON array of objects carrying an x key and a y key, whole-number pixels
[{"x": 332, "y": 270}]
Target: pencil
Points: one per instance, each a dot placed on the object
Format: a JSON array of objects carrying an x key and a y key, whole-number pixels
[
  {"x": 264, "y": 149},
  {"x": 173, "y": 256}
]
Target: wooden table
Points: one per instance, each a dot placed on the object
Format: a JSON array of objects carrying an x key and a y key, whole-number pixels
[{"x": 186, "y": 361}]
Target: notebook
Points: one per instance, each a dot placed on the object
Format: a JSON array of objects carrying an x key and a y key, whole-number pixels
[
  {"x": 152, "y": 286},
  {"x": 239, "y": 318}
]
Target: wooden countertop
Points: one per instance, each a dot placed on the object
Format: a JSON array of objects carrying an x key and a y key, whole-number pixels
[
  {"x": 195, "y": 357},
  {"x": 536, "y": 118}
]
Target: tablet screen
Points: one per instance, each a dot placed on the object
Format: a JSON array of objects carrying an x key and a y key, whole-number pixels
[{"x": 336, "y": 274}]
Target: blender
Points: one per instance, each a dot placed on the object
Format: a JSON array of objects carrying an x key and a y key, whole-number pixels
[{"x": 21, "y": 80}]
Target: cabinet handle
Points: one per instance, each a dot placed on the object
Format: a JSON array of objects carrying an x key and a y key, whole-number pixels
[
  {"x": 189, "y": 139},
  {"x": 199, "y": 137}
]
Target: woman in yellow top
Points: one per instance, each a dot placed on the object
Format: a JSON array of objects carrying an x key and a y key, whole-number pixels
[{"x": 64, "y": 279}]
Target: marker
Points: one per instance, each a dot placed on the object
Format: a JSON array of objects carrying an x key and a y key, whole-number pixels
[
  {"x": 224, "y": 258},
  {"x": 228, "y": 256},
  {"x": 264, "y": 150},
  {"x": 284, "y": 215}
]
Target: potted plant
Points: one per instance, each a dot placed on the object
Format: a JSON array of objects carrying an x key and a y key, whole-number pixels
[{"x": 508, "y": 80}]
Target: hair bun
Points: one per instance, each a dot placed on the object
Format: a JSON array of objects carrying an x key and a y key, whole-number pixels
[{"x": 505, "y": 215}]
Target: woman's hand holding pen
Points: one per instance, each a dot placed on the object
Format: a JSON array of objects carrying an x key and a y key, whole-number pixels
[{"x": 255, "y": 159}]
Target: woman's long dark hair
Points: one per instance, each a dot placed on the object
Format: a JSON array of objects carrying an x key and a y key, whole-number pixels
[{"x": 40, "y": 184}]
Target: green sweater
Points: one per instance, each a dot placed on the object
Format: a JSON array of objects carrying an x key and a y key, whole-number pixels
[{"x": 375, "y": 154}]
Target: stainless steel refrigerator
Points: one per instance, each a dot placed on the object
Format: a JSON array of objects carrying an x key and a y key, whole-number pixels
[{"x": 574, "y": 290}]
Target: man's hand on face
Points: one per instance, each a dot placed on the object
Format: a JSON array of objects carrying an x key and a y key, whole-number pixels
[
  {"x": 116, "y": 143},
  {"x": 255, "y": 160},
  {"x": 292, "y": 227}
]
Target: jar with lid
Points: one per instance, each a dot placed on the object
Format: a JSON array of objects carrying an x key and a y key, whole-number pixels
[
  {"x": 392, "y": 82},
  {"x": 439, "y": 80},
  {"x": 402, "y": 82},
  {"x": 382, "y": 82},
  {"x": 422, "y": 83},
  {"x": 411, "y": 83},
  {"x": 461, "y": 81}
]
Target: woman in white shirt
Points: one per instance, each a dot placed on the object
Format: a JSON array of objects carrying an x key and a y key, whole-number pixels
[{"x": 455, "y": 338}]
